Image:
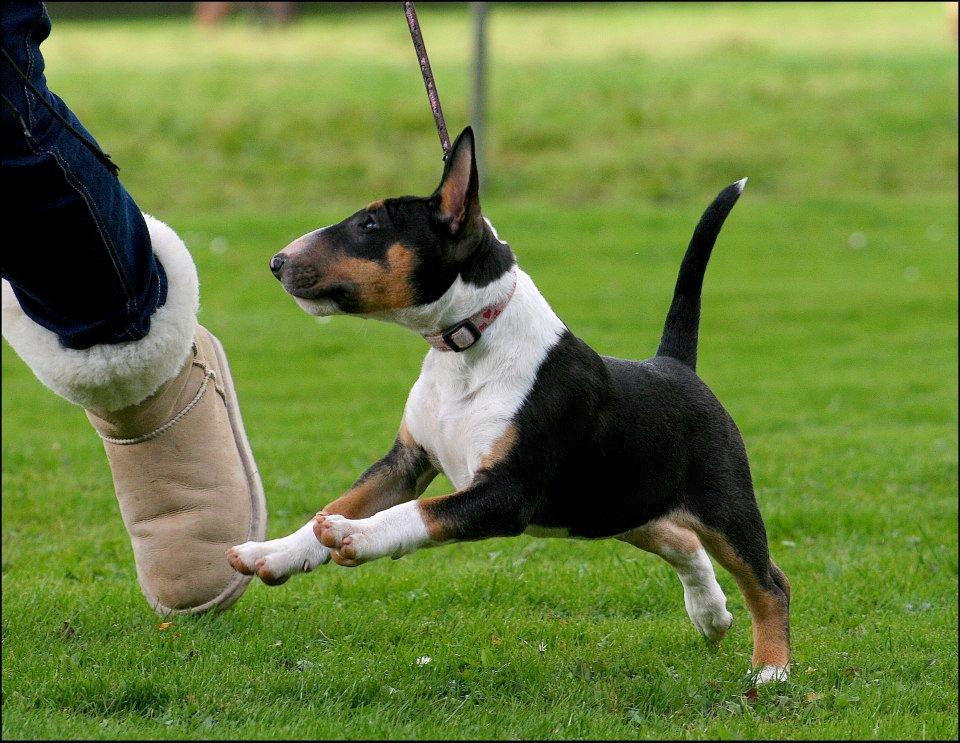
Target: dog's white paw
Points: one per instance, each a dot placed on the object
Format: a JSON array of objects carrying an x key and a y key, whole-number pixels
[
  {"x": 394, "y": 532},
  {"x": 349, "y": 543},
  {"x": 331, "y": 529},
  {"x": 703, "y": 598},
  {"x": 768, "y": 674},
  {"x": 275, "y": 561},
  {"x": 707, "y": 610}
]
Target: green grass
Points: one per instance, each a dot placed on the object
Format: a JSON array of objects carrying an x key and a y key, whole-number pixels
[{"x": 829, "y": 331}]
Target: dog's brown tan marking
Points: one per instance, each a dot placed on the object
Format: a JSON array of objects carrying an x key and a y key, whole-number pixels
[
  {"x": 370, "y": 494},
  {"x": 664, "y": 537},
  {"x": 769, "y": 607},
  {"x": 401, "y": 475},
  {"x": 374, "y": 205},
  {"x": 500, "y": 449},
  {"x": 438, "y": 531},
  {"x": 380, "y": 287},
  {"x": 405, "y": 437}
]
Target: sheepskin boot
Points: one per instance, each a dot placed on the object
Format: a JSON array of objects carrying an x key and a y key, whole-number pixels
[{"x": 166, "y": 410}]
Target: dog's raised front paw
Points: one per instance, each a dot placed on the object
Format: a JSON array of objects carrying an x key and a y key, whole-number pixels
[
  {"x": 345, "y": 538},
  {"x": 329, "y": 529},
  {"x": 393, "y": 532},
  {"x": 355, "y": 541},
  {"x": 275, "y": 561}
]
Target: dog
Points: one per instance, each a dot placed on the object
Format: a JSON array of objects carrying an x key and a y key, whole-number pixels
[{"x": 537, "y": 432}]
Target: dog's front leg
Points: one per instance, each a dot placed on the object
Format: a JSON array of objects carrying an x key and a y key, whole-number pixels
[
  {"x": 493, "y": 507},
  {"x": 276, "y": 560},
  {"x": 400, "y": 476}
]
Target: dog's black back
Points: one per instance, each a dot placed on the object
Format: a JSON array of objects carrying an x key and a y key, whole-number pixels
[{"x": 612, "y": 443}]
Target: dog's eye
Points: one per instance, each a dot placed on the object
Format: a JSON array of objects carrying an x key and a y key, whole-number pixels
[{"x": 369, "y": 223}]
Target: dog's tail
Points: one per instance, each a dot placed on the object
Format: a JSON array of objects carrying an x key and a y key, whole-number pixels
[{"x": 680, "y": 330}]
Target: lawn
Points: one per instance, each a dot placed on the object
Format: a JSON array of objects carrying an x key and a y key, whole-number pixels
[{"x": 829, "y": 331}]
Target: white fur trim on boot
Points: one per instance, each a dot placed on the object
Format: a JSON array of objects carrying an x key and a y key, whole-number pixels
[{"x": 112, "y": 376}]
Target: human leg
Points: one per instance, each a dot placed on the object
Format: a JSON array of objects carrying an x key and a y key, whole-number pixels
[{"x": 100, "y": 301}]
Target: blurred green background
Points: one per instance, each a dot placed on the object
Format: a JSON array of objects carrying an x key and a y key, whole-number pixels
[{"x": 829, "y": 331}]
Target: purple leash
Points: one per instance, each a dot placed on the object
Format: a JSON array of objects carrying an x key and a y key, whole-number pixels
[{"x": 427, "y": 73}]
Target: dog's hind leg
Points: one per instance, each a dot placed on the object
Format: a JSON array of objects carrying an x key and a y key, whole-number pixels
[
  {"x": 736, "y": 538},
  {"x": 704, "y": 599}
]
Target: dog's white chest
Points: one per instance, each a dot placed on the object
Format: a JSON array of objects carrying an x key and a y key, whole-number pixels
[
  {"x": 462, "y": 404},
  {"x": 458, "y": 424}
]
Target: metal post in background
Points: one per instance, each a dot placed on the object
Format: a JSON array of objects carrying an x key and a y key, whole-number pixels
[{"x": 478, "y": 114}]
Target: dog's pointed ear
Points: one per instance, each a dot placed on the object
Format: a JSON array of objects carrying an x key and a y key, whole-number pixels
[{"x": 457, "y": 198}]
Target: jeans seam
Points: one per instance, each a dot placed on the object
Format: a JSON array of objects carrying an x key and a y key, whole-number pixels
[
  {"x": 81, "y": 191},
  {"x": 28, "y": 53}
]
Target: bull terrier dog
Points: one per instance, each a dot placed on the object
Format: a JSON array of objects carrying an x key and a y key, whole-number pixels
[{"x": 537, "y": 432}]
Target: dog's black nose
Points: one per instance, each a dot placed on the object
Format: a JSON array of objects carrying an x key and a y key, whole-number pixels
[{"x": 276, "y": 263}]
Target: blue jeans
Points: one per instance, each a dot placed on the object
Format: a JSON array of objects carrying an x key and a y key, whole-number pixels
[{"x": 77, "y": 252}]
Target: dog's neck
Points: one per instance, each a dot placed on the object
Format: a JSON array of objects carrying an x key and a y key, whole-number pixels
[{"x": 525, "y": 320}]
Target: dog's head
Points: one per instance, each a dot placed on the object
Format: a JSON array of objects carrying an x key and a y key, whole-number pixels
[{"x": 396, "y": 253}]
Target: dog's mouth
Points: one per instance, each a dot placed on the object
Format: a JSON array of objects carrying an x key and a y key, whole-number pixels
[
  {"x": 318, "y": 308},
  {"x": 309, "y": 292},
  {"x": 320, "y": 299},
  {"x": 339, "y": 292}
]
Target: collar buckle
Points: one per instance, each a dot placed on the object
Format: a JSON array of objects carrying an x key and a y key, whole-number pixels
[{"x": 461, "y": 336}]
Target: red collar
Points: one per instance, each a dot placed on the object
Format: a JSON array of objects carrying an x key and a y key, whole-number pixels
[{"x": 466, "y": 333}]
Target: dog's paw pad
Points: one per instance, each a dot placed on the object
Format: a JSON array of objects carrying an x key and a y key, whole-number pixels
[
  {"x": 343, "y": 561},
  {"x": 268, "y": 574},
  {"x": 347, "y": 549},
  {"x": 243, "y": 557}
]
